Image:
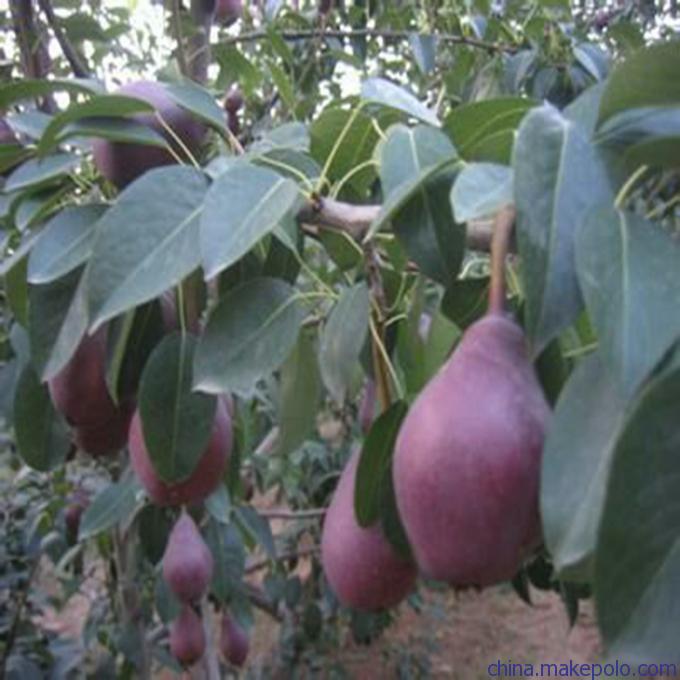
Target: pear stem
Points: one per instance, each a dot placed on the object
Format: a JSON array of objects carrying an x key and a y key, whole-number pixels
[{"x": 500, "y": 246}]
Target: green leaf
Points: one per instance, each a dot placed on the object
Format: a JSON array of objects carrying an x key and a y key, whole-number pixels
[
  {"x": 42, "y": 437},
  {"x": 648, "y": 77},
  {"x": 576, "y": 463},
  {"x": 57, "y": 321},
  {"x": 638, "y": 556},
  {"x": 298, "y": 395},
  {"x": 229, "y": 555},
  {"x": 359, "y": 138},
  {"x": 283, "y": 85},
  {"x": 65, "y": 243},
  {"x": 29, "y": 89},
  {"x": 470, "y": 124},
  {"x": 375, "y": 465},
  {"x": 198, "y": 101},
  {"x": 16, "y": 288},
  {"x": 559, "y": 178},
  {"x": 249, "y": 334},
  {"x": 419, "y": 206},
  {"x": 177, "y": 423},
  {"x": 146, "y": 242},
  {"x": 481, "y": 190},
  {"x": 38, "y": 172},
  {"x": 218, "y": 505},
  {"x": 257, "y": 527},
  {"x": 110, "y": 507},
  {"x": 465, "y": 301},
  {"x": 108, "y": 105},
  {"x": 381, "y": 91},
  {"x": 153, "y": 527},
  {"x": 627, "y": 268},
  {"x": 342, "y": 339},
  {"x": 243, "y": 205},
  {"x": 114, "y": 129}
]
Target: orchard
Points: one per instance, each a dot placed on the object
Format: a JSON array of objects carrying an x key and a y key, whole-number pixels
[{"x": 315, "y": 313}]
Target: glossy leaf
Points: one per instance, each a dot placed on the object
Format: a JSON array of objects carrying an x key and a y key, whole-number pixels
[
  {"x": 64, "y": 244},
  {"x": 481, "y": 190},
  {"x": 627, "y": 268},
  {"x": 57, "y": 321},
  {"x": 229, "y": 555},
  {"x": 146, "y": 242},
  {"x": 38, "y": 172},
  {"x": 177, "y": 423},
  {"x": 29, "y": 89},
  {"x": 342, "y": 339},
  {"x": 249, "y": 334},
  {"x": 381, "y": 91},
  {"x": 198, "y": 101},
  {"x": 576, "y": 464},
  {"x": 42, "y": 436},
  {"x": 375, "y": 465},
  {"x": 114, "y": 504},
  {"x": 638, "y": 557},
  {"x": 559, "y": 178},
  {"x": 298, "y": 395},
  {"x": 648, "y": 77},
  {"x": 243, "y": 205},
  {"x": 465, "y": 301}
]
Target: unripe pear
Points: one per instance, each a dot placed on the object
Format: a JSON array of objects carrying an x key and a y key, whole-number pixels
[
  {"x": 187, "y": 637},
  {"x": 234, "y": 641},
  {"x": 228, "y": 11},
  {"x": 467, "y": 458},
  {"x": 207, "y": 475},
  {"x": 187, "y": 561},
  {"x": 121, "y": 163},
  {"x": 360, "y": 564},
  {"x": 79, "y": 391}
]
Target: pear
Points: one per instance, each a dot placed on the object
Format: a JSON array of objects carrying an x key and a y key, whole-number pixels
[
  {"x": 467, "y": 458},
  {"x": 234, "y": 642},
  {"x": 187, "y": 637},
  {"x": 205, "y": 478},
  {"x": 359, "y": 563},
  {"x": 187, "y": 561}
]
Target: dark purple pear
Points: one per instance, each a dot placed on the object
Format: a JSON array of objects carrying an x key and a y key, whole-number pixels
[
  {"x": 122, "y": 162},
  {"x": 234, "y": 642},
  {"x": 467, "y": 458},
  {"x": 187, "y": 561},
  {"x": 228, "y": 11},
  {"x": 187, "y": 637},
  {"x": 360, "y": 565}
]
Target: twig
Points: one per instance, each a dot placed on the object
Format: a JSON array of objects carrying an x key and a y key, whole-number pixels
[
  {"x": 356, "y": 220},
  {"x": 293, "y": 514},
  {"x": 179, "y": 38},
  {"x": 79, "y": 69},
  {"x": 369, "y": 33},
  {"x": 256, "y": 565},
  {"x": 500, "y": 247}
]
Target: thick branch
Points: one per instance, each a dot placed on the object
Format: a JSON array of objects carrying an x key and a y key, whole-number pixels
[
  {"x": 356, "y": 219},
  {"x": 79, "y": 69},
  {"x": 370, "y": 33}
]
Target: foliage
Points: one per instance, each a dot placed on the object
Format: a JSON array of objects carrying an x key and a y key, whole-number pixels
[{"x": 336, "y": 236}]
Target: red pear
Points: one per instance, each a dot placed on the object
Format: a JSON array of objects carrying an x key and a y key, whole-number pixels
[
  {"x": 467, "y": 459},
  {"x": 233, "y": 102},
  {"x": 187, "y": 561},
  {"x": 187, "y": 637},
  {"x": 228, "y": 11},
  {"x": 360, "y": 564},
  {"x": 79, "y": 391},
  {"x": 122, "y": 163},
  {"x": 207, "y": 475},
  {"x": 234, "y": 641},
  {"x": 105, "y": 438}
]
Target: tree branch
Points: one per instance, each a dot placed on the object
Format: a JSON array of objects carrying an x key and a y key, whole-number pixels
[
  {"x": 253, "y": 36},
  {"x": 356, "y": 220},
  {"x": 79, "y": 69},
  {"x": 256, "y": 565},
  {"x": 293, "y": 514}
]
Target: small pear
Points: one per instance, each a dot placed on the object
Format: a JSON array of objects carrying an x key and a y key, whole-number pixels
[
  {"x": 187, "y": 561},
  {"x": 360, "y": 564},
  {"x": 234, "y": 642},
  {"x": 187, "y": 637},
  {"x": 467, "y": 459}
]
